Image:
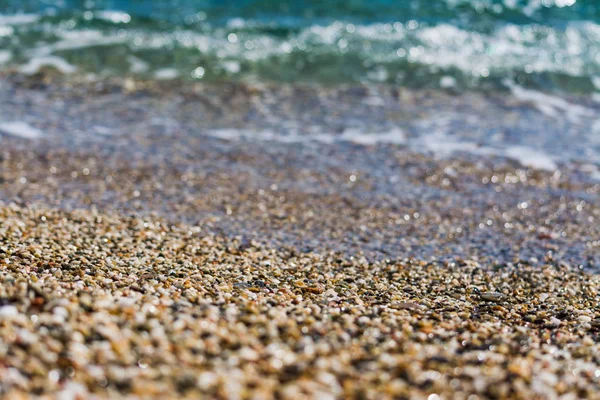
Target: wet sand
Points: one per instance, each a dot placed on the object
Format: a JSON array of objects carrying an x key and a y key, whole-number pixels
[{"x": 162, "y": 261}]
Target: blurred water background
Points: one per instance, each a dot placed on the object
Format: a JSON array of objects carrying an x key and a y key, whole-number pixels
[{"x": 550, "y": 45}]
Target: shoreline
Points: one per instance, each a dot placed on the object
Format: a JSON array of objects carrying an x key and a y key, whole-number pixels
[
  {"x": 432, "y": 209},
  {"x": 142, "y": 255},
  {"x": 520, "y": 124}
]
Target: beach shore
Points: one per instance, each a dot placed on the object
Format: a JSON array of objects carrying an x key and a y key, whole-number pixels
[
  {"x": 290, "y": 200},
  {"x": 113, "y": 305},
  {"x": 143, "y": 254}
]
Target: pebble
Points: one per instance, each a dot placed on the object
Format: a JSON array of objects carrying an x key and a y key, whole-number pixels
[
  {"x": 8, "y": 311},
  {"x": 492, "y": 296}
]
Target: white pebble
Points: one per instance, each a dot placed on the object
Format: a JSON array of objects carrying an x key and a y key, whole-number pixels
[{"x": 8, "y": 311}]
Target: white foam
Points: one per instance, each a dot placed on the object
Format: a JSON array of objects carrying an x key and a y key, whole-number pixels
[
  {"x": 233, "y": 67},
  {"x": 18, "y": 19},
  {"x": 20, "y": 129},
  {"x": 137, "y": 65},
  {"x": 74, "y": 40},
  {"x": 268, "y": 136},
  {"x": 443, "y": 145},
  {"x": 550, "y": 105},
  {"x": 116, "y": 17},
  {"x": 593, "y": 170},
  {"x": 34, "y": 65},
  {"x": 447, "y": 82},
  {"x": 511, "y": 47},
  {"x": 166, "y": 73},
  {"x": 5, "y": 56},
  {"x": 439, "y": 143},
  {"x": 394, "y": 136},
  {"x": 236, "y": 23},
  {"x": 6, "y": 30},
  {"x": 531, "y": 157}
]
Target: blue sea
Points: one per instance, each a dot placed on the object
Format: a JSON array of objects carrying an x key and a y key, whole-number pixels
[{"x": 549, "y": 45}]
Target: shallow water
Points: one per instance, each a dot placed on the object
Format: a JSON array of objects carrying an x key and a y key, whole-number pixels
[
  {"x": 359, "y": 170},
  {"x": 536, "y": 129}
]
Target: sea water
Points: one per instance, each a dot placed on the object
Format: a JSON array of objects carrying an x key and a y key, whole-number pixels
[
  {"x": 525, "y": 73},
  {"x": 551, "y": 45}
]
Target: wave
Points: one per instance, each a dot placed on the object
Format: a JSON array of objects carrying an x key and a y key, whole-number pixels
[{"x": 523, "y": 42}]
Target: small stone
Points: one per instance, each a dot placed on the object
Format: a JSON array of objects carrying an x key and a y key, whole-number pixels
[
  {"x": 491, "y": 296},
  {"x": 8, "y": 311},
  {"x": 405, "y": 305}
]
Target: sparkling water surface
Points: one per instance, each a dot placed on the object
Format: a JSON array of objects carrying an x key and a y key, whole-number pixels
[{"x": 551, "y": 45}]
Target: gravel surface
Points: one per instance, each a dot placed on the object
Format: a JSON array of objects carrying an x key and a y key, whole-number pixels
[
  {"x": 142, "y": 256},
  {"x": 110, "y": 305}
]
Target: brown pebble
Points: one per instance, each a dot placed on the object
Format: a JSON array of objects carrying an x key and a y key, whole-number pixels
[{"x": 405, "y": 305}]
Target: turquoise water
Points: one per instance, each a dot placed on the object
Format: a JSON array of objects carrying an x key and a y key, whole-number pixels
[{"x": 552, "y": 45}]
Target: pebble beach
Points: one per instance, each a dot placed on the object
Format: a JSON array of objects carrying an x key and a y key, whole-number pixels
[
  {"x": 165, "y": 261},
  {"x": 287, "y": 200},
  {"x": 106, "y": 305}
]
